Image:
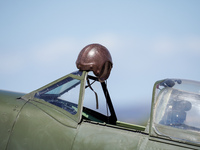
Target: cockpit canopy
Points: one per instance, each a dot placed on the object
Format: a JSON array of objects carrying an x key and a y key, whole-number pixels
[{"x": 177, "y": 109}]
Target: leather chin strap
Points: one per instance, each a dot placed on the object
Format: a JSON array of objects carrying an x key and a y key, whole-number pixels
[{"x": 89, "y": 85}]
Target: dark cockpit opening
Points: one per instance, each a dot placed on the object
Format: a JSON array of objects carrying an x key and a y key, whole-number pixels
[{"x": 107, "y": 118}]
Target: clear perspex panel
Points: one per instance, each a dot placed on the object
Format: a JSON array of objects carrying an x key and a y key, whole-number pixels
[
  {"x": 64, "y": 94},
  {"x": 177, "y": 110}
]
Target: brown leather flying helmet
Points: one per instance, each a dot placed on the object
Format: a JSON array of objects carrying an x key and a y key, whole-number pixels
[{"x": 96, "y": 58}]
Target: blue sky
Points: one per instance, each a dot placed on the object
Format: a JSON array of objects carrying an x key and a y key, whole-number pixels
[{"x": 148, "y": 41}]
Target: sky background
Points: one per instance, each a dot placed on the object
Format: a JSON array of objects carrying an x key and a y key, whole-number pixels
[{"x": 148, "y": 41}]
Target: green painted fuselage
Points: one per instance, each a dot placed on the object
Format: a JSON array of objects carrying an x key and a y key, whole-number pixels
[{"x": 31, "y": 123}]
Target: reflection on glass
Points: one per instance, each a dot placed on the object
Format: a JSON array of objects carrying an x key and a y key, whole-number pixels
[
  {"x": 178, "y": 106},
  {"x": 64, "y": 94}
]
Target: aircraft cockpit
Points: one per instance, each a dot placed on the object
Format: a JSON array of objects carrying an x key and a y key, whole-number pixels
[
  {"x": 71, "y": 93},
  {"x": 177, "y": 110},
  {"x": 76, "y": 112}
]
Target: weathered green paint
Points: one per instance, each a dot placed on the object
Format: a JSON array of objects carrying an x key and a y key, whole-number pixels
[
  {"x": 36, "y": 129},
  {"x": 100, "y": 136},
  {"x": 10, "y": 108},
  {"x": 29, "y": 123}
]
